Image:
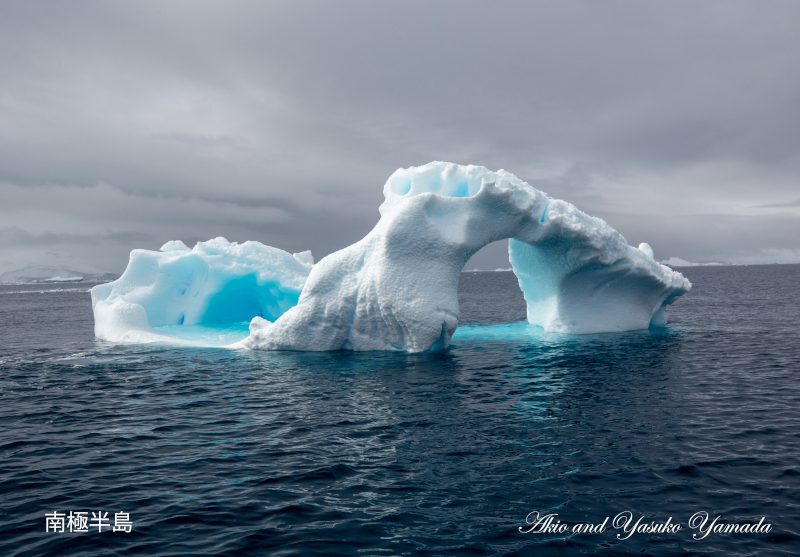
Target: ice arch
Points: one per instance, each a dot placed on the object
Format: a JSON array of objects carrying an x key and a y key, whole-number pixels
[{"x": 396, "y": 289}]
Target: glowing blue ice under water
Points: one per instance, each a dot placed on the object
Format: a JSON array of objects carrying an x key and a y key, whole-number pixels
[
  {"x": 220, "y": 336},
  {"x": 396, "y": 289},
  {"x": 206, "y": 335},
  {"x": 231, "y": 333}
]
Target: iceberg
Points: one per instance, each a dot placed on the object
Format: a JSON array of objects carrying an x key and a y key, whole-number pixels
[
  {"x": 396, "y": 289},
  {"x": 215, "y": 283}
]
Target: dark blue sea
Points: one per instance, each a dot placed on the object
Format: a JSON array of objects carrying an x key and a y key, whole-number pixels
[{"x": 219, "y": 452}]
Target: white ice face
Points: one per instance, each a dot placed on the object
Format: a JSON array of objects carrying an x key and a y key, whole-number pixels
[{"x": 396, "y": 289}]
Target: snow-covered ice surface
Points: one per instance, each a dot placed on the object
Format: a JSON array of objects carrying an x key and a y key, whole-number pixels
[{"x": 396, "y": 289}]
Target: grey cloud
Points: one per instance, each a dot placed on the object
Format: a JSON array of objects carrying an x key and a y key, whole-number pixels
[
  {"x": 716, "y": 237},
  {"x": 794, "y": 203},
  {"x": 281, "y": 121},
  {"x": 18, "y": 238}
]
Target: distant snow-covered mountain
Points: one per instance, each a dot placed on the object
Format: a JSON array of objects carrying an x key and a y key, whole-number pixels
[{"x": 48, "y": 273}]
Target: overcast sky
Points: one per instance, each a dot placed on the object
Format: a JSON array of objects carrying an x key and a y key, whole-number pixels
[{"x": 125, "y": 125}]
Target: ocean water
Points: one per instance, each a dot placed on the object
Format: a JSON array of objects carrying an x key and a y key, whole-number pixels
[{"x": 219, "y": 452}]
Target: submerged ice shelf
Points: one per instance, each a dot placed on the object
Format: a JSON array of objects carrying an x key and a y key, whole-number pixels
[{"x": 396, "y": 289}]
